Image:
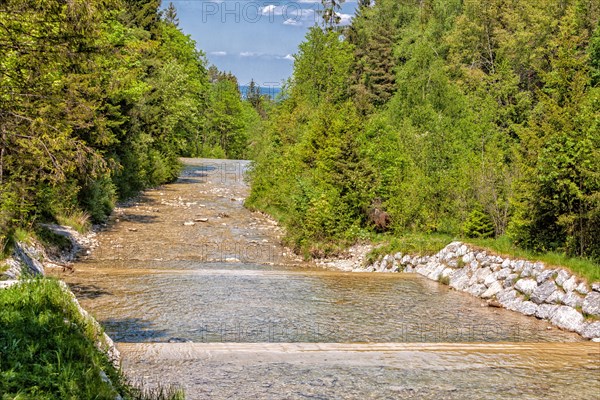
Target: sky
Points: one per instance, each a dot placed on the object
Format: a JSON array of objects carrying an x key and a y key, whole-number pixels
[{"x": 253, "y": 39}]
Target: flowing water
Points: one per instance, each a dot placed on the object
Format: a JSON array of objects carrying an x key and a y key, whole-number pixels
[{"x": 197, "y": 291}]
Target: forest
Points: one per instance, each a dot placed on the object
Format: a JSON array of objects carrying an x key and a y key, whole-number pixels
[
  {"x": 470, "y": 118},
  {"x": 466, "y": 118},
  {"x": 98, "y": 99}
]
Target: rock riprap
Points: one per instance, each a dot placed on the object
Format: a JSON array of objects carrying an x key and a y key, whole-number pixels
[{"x": 530, "y": 288}]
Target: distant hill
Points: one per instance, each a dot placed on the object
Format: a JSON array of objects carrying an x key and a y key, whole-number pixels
[{"x": 270, "y": 91}]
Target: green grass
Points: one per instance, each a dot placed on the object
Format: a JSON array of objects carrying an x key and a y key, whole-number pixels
[
  {"x": 47, "y": 349},
  {"x": 78, "y": 220},
  {"x": 582, "y": 267}
]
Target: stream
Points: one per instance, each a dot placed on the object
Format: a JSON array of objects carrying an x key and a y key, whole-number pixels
[{"x": 198, "y": 292}]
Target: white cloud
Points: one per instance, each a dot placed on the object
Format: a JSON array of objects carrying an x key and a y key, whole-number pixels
[
  {"x": 218, "y": 53},
  {"x": 272, "y": 9},
  {"x": 292, "y": 22},
  {"x": 289, "y": 57},
  {"x": 248, "y": 54},
  {"x": 345, "y": 19}
]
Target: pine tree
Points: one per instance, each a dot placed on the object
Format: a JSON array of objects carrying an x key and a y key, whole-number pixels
[{"x": 170, "y": 15}]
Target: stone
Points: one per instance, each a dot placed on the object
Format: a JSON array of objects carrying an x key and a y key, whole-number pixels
[
  {"x": 556, "y": 297},
  {"x": 490, "y": 279},
  {"x": 567, "y": 318},
  {"x": 518, "y": 265},
  {"x": 437, "y": 271},
  {"x": 477, "y": 289},
  {"x": 506, "y": 263},
  {"x": 398, "y": 256},
  {"x": 496, "y": 267},
  {"x": 526, "y": 286},
  {"x": 591, "y": 304},
  {"x": 562, "y": 277},
  {"x": 538, "y": 267},
  {"x": 189, "y": 223},
  {"x": 406, "y": 260},
  {"x": 510, "y": 280},
  {"x": 483, "y": 273},
  {"x": 591, "y": 330},
  {"x": 507, "y": 297},
  {"x": 467, "y": 258},
  {"x": 546, "y": 311},
  {"x": 492, "y": 290},
  {"x": 543, "y": 291},
  {"x": 474, "y": 265},
  {"x": 582, "y": 288},
  {"x": 570, "y": 284},
  {"x": 8, "y": 283},
  {"x": 409, "y": 269},
  {"x": 545, "y": 275},
  {"x": 447, "y": 273},
  {"x": 462, "y": 250},
  {"x": 459, "y": 280},
  {"x": 526, "y": 307},
  {"x": 503, "y": 274},
  {"x": 28, "y": 257},
  {"x": 527, "y": 270},
  {"x": 572, "y": 299},
  {"x": 596, "y": 287}
]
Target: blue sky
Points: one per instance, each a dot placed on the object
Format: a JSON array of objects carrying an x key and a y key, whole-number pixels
[{"x": 252, "y": 39}]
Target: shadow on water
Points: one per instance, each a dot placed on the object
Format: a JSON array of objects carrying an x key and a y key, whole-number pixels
[
  {"x": 87, "y": 292},
  {"x": 134, "y": 330}
]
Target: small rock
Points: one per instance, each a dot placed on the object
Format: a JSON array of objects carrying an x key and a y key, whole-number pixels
[
  {"x": 570, "y": 284},
  {"x": 510, "y": 280},
  {"x": 201, "y": 220},
  {"x": 543, "y": 291},
  {"x": 526, "y": 307},
  {"x": 503, "y": 273},
  {"x": 518, "y": 265},
  {"x": 572, "y": 299},
  {"x": 477, "y": 289},
  {"x": 545, "y": 275},
  {"x": 582, "y": 289},
  {"x": 591, "y": 330},
  {"x": 526, "y": 286},
  {"x": 506, "y": 263},
  {"x": 591, "y": 304},
  {"x": 596, "y": 287},
  {"x": 189, "y": 223},
  {"x": 567, "y": 318},
  {"x": 546, "y": 311},
  {"x": 492, "y": 290},
  {"x": 459, "y": 280},
  {"x": 556, "y": 297},
  {"x": 132, "y": 229},
  {"x": 527, "y": 270},
  {"x": 562, "y": 277},
  {"x": 490, "y": 279}
]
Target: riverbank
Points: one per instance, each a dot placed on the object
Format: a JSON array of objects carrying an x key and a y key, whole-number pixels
[{"x": 530, "y": 288}]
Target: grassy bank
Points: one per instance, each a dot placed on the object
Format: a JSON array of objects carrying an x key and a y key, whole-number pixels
[
  {"x": 431, "y": 244},
  {"x": 47, "y": 349}
]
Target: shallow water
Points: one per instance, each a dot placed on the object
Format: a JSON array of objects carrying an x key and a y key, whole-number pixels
[{"x": 225, "y": 281}]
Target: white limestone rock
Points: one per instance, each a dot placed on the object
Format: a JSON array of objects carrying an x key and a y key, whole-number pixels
[
  {"x": 543, "y": 291},
  {"x": 591, "y": 304},
  {"x": 526, "y": 286},
  {"x": 568, "y": 318}
]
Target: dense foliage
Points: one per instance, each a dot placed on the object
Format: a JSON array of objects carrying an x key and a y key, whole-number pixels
[
  {"x": 474, "y": 118},
  {"x": 97, "y": 101}
]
